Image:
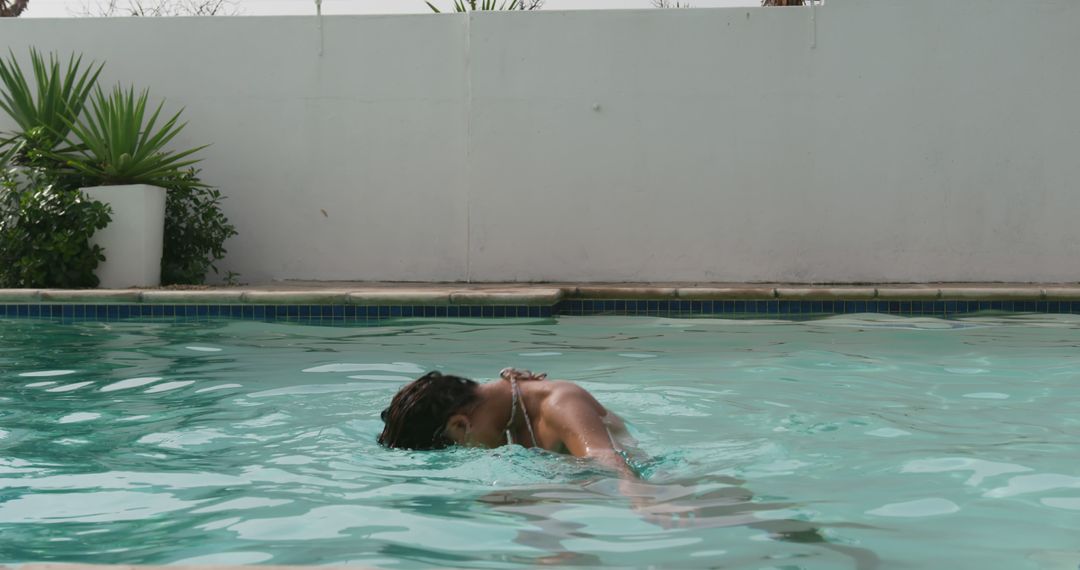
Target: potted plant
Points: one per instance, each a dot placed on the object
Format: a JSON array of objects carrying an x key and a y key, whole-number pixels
[
  {"x": 45, "y": 219},
  {"x": 121, "y": 148}
]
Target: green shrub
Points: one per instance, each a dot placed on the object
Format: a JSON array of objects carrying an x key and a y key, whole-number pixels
[
  {"x": 195, "y": 231},
  {"x": 45, "y": 232}
]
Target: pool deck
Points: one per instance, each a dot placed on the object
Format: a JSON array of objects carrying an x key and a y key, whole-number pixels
[{"x": 542, "y": 294}]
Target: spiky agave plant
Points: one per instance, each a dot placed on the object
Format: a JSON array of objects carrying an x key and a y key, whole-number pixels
[
  {"x": 45, "y": 111},
  {"x": 470, "y": 5},
  {"x": 117, "y": 143}
]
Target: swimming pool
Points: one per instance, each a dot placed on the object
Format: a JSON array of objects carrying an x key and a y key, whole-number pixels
[{"x": 841, "y": 442}]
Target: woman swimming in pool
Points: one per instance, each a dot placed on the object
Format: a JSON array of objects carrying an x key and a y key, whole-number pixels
[{"x": 439, "y": 410}]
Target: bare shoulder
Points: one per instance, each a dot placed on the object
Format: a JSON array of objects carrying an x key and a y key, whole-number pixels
[
  {"x": 566, "y": 388},
  {"x": 562, "y": 393}
]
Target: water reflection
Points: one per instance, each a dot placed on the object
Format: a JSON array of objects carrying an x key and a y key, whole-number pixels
[{"x": 677, "y": 507}]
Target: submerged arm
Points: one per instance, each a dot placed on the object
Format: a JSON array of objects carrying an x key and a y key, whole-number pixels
[{"x": 577, "y": 418}]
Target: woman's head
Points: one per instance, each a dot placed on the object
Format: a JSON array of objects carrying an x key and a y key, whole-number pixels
[{"x": 418, "y": 415}]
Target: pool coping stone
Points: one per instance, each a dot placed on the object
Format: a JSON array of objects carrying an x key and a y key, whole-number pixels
[
  {"x": 328, "y": 297},
  {"x": 1062, "y": 293},
  {"x": 210, "y": 296},
  {"x": 421, "y": 297},
  {"x": 913, "y": 293},
  {"x": 826, "y": 294},
  {"x": 100, "y": 296},
  {"x": 528, "y": 297},
  {"x": 20, "y": 295}
]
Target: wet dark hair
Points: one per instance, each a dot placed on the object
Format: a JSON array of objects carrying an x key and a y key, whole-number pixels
[{"x": 417, "y": 416}]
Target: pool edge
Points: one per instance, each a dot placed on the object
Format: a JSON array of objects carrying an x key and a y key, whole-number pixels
[
  {"x": 332, "y": 304},
  {"x": 535, "y": 295}
]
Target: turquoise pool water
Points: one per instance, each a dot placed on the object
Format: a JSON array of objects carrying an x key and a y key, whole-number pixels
[{"x": 859, "y": 441}]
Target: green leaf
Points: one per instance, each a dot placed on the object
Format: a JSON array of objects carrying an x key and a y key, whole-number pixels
[
  {"x": 44, "y": 111},
  {"x": 118, "y": 142},
  {"x": 49, "y": 244}
]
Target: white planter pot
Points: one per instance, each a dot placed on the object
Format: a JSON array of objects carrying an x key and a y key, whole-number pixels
[{"x": 133, "y": 239}]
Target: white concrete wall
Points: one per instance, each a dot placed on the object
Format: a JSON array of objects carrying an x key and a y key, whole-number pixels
[
  {"x": 880, "y": 141},
  {"x": 373, "y": 132}
]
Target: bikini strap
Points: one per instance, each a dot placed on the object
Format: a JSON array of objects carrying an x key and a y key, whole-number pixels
[
  {"x": 516, "y": 399},
  {"x": 513, "y": 410},
  {"x": 525, "y": 412},
  {"x": 519, "y": 374}
]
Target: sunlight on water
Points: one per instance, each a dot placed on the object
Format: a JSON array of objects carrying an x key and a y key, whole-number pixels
[{"x": 856, "y": 441}]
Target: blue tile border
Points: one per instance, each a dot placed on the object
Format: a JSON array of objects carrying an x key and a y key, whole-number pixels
[
  {"x": 352, "y": 314},
  {"x": 800, "y": 308},
  {"x": 310, "y": 314}
]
